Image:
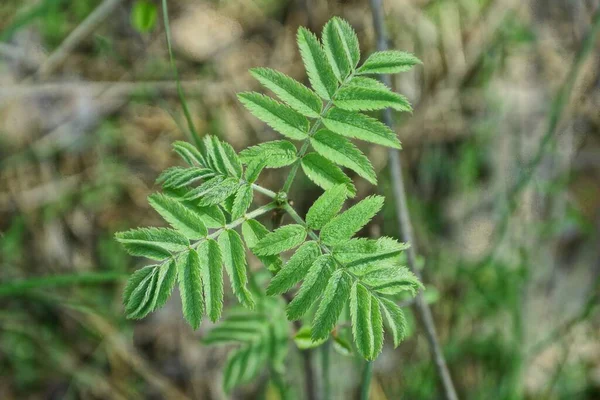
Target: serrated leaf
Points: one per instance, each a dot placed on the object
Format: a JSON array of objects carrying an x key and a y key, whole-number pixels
[
  {"x": 234, "y": 257},
  {"x": 345, "y": 225},
  {"x": 392, "y": 280},
  {"x": 326, "y": 207},
  {"x": 278, "y": 116},
  {"x": 178, "y": 216},
  {"x": 134, "y": 281},
  {"x": 253, "y": 231},
  {"x": 189, "y": 153},
  {"x": 361, "y": 98},
  {"x": 341, "y": 151},
  {"x": 395, "y": 319},
  {"x": 213, "y": 157},
  {"x": 155, "y": 243},
  {"x": 388, "y": 62},
  {"x": 155, "y": 293},
  {"x": 360, "y": 126},
  {"x": 212, "y": 216},
  {"x": 139, "y": 292},
  {"x": 241, "y": 201},
  {"x": 304, "y": 341},
  {"x": 367, "y": 325},
  {"x": 275, "y": 154},
  {"x": 355, "y": 250},
  {"x": 312, "y": 287},
  {"x": 341, "y": 47},
  {"x": 181, "y": 177},
  {"x": 214, "y": 191},
  {"x": 243, "y": 365},
  {"x": 325, "y": 174},
  {"x": 280, "y": 240},
  {"x": 190, "y": 287},
  {"x": 319, "y": 71},
  {"x": 363, "y": 81},
  {"x": 167, "y": 276},
  {"x": 292, "y": 92},
  {"x": 211, "y": 264},
  {"x": 253, "y": 170},
  {"x": 228, "y": 158},
  {"x": 295, "y": 269},
  {"x": 335, "y": 296}
]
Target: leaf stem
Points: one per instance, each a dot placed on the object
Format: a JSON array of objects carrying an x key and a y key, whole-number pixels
[
  {"x": 366, "y": 380},
  {"x": 264, "y": 191},
  {"x": 22, "y": 286},
  {"x": 325, "y": 363}
]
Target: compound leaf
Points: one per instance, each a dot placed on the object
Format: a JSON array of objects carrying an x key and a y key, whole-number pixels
[
  {"x": 155, "y": 243},
  {"x": 212, "y": 216},
  {"x": 212, "y": 277},
  {"x": 392, "y": 280},
  {"x": 241, "y": 201},
  {"x": 367, "y": 325},
  {"x": 190, "y": 287},
  {"x": 319, "y": 71},
  {"x": 295, "y": 269},
  {"x": 275, "y": 154},
  {"x": 361, "y": 98},
  {"x": 178, "y": 216},
  {"x": 346, "y": 224},
  {"x": 292, "y": 92},
  {"x": 360, "y": 126},
  {"x": 312, "y": 287},
  {"x": 341, "y": 47},
  {"x": 335, "y": 296},
  {"x": 388, "y": 62},
  {"x": 234, "y": 257},
  {"x": 326, "y": 207},
  {"x": 325, "y": 174},
  {"x": 253, "y": 231},
  {"x": 395, "y": 319},
  {"x": 280, "y": 240}
]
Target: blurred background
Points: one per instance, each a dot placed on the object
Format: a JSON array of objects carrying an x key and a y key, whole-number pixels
[{"x": 501, "y": 155}]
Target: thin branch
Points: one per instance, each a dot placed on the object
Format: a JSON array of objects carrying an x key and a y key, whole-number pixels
[
  {"x": 366, "y": 380},
  {"x": 23, "y": 286},
  {"x": 404, "y": 221},
  {"x": 77, "y": 36}
]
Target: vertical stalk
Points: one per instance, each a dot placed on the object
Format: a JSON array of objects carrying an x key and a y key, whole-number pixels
[
  {"x": 325, "y": 370},
  {"x": 404, "y": 222},
  {"x": 366, "y": 380}
]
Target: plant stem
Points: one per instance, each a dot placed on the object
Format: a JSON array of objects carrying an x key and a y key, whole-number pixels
[
  {"x": 186, "y": 111},
  {"x": 325, "y": 363},
  {"x": 264, "y": 191},
  {"x": 366, "y": 380},
  {"x": 404, "y": 221},
  {"x": 25, "y": 285}
]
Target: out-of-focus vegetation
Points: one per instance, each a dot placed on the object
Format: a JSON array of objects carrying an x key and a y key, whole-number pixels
[{"x": 502, "y": 157}]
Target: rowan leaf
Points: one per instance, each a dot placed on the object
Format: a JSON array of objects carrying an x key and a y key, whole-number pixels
[
  {"x": 253, "y": 231},
  {"x": 213, "y": 155},
  {"x": 295, "y": 269},
  {"x": 213, "y": 191},
  {"x": 190, "y": 287},
  {"x": 253, "y": 170},
  {"x": 189, "y": 153},
  {"x": 392, "y": 280},
  {"x": 292, "y": 92},
  {"x": 212, "y": 277},
  {"x": 138, "y": 293},
  {"x": 177, "y": 177},
  {"x": 154, "y": 243},
  {"x": 360, "y": 126},
  {"x": 234, "y": 257},
  {"x": 341, "y": 151},
  {"x": 134, "y": 281},
  {"x": 275, "y": 154},
  {"x": 325, "y": 174},
  {"x": 346, "y": 224},
  {"x": 388, "y": 62},
  {"x": 228, "y": 157},
  {"x": 326, "y": 207},
  {"x": 212, "y": 216},
  {"x": 241, "y": 201},
  {"x": 341, "y": 47},
  {"x": 178, "y": 216},
  {"x": 312, "y": 287},
  {"x": 280, "y": 240},
  {"x": 361, "y": 98},
  {"x": 334, "y": 298},
  {"x": 367, "y": 325},
  {"x": 395, "y": 319},
  {"x": 278, "y": 116},
  {"x": 319, "y": 71}
]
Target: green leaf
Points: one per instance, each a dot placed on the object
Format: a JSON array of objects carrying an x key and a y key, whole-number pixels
[
  {"x": 175, "y": 178},
  {"x": 388, "y": 62},
  {"x": 212, "y": 216},
  {"x": 367, "y": 325},
  {"x": 234, "y": 257},
  {"x": 143, "y": 16},
  {"x": 155, "y": 243},
  {"x": 395, "y": 320},
  {"x": 312, "y": 287},
  {"x": 190, "y": 287},
  {"x": 253, "y": 170},
  {"x": 280, "y": 240},
  {"x": 167, "y": 275},
  {"x": 319, "y": 71},
  {"x": 326, "y": 207},
  {"x": 342, "y": 346},
  {"x": 278, "y": 116},
  {"x": 358, "y": 249},
  {"x": 253, "y": 231},
  {"x": 363, "y": 81},
  {"x": 304, "y": 341},
  {"x": 213, "y": 155},
  {"x": 341, "y": 151},
  {"x": 243, "y": 365},
  {"x": 295, "y": 269},
  {"x": 178, "y": 216},
  {"x": 325, "y": 174},
  {"x": 392, "y": 280},
  {"x": 341, "y": 47},
  {"x": 292, "y": 92},
  {"x": 212, "y": 277},
  {"x": 345, "y": 225},
  {"x": 139, "y": 291},
  {"x": 214, "y": 191},
  {"x": 152, "y": 292},
  {"x": 360, "y": 98},
  {"x": 134, "y": 281},
  {"x": 189, "y": 153},
  {"x": 360, "y": 126},
  {"x": 241, "y": 202},
  {"x": 228, "y": 158},
  {"x": 276, "y": 154},
  {"x": 335, "y": 296}
]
